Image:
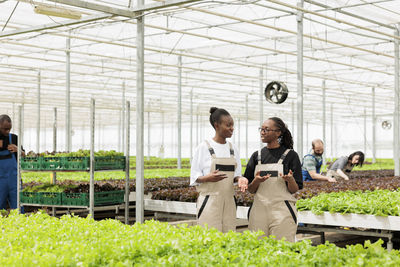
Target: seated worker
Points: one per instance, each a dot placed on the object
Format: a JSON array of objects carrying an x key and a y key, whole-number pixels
[
  {"x": 343, "y": 165},
  {"x": 311, "y": 167}
]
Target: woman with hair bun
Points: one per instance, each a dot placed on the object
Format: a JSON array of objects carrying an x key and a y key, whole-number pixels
[
  {"x": 274, "y": 174},
  {"x": 215, "y": 167}
]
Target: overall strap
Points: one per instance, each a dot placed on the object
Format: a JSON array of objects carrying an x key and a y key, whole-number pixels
[
  {"x": 10, "y": 142},
  {"x": 283, "y": 156},
  {"x": 259, "y": 156},
  {"x": 231, "y": 151},
  {"x": 210, "y": 149}
]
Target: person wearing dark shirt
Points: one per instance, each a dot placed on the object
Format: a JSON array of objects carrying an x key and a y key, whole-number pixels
[
  {"x": 344, "y": 165},
  {"x": 8, "y": 164},
  {"x": 274, "y": 174}
]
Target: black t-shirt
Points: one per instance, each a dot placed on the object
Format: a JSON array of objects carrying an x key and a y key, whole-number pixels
[
  {"x": 6, "y": 142},
  {"x": 291, "y": 162}
]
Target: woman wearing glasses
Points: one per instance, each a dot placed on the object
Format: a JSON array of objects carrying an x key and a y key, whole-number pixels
[
  {"x": 215, "y": 167},
  {"x": 274, "y": 174}
]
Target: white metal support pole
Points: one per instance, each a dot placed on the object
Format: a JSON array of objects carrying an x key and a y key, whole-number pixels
[
  {"x": 179, "y": 112},
  {"x": 38, "y": 116},
  {"x": 91, "y": 185},
  {"x": 299, "y": 17},
  {"x": 247, "y": 128},
  {"x": 148, "y": 134},
  {"x": 54, "y": 174},
  {"x": 197, "y": 127},
  {"x": 191, "y": 125},
  {"x": 324, "y": 116},
  {"x": 20, "y": 140},
  {"x": 120, "y": 133},
  {"x": 396, "y": 130},
  {"x": 332, "y": 154},
  {"x": 98, "y": 131},
  {"x": 123, "y": 116},
  {"x": 127, "y": 150},
  {"x": 68, "y": 98},
  {"x": 139, "y": 116},
  {"x": 54, "y": 139},
  {"x": 365, "y": 131},
  {"x": 261, "y": 101},
  {"x": 22, "y": 136},
  {"x": 373, "y": 127},
  {"x": 238, "y": 130}
]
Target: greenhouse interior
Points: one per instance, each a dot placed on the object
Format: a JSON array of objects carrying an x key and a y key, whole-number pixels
[{"x": 200, "y": 133}]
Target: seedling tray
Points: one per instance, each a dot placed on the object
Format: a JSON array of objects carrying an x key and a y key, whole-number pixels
[
  {"x": 72, "y": 163},
  {"x": 45, "y": 198},
  {"x": 100, "y": 198}
]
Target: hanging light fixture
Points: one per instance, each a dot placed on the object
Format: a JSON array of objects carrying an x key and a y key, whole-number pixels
[{"x": 56, "y": 11}]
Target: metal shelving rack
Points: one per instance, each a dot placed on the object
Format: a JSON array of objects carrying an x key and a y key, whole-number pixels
[{"x": 92, "y": 163}]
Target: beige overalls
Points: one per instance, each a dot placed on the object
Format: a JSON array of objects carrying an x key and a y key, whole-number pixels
[
  {"x": 334, "y": 174},
  {"x": 274, "y": 208},
  {"x": 216, "y": 204}
]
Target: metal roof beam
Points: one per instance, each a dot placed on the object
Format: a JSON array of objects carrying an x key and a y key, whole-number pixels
[
  {"x": 129, "y": 13},
  {"x": 55, "y": 25}
]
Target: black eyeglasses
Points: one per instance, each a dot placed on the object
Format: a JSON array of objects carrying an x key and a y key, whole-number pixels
[{"x": 260, "y": 129}]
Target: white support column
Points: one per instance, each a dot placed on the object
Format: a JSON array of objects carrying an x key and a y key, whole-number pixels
[
  {"x": 191, "y": 125},
  {"x": 21, "y": 136},
  {"x": 38, "y": 115},
  {"x": 332, "y": 129},
  {"x": 68, "y": 98},
  {"x": 247, "y": 128},
  {"x": 373, "y": 127},
  {"x": 20, "y": 140},
  {"x": 127, "y": 153},
  {"x": 396, "y": 115},
  {"x": 55, "y": 141},
  {"x": 99, "y": 143},
  {"x": 148, "y": 134},
  {"x": 55, "y": 130},
  {"x": 123, "y": 121},
  {"x": 197, "y": 127},
  {"x": 120, "y": 133},
  {"x": 365, "y": 131},
  {"x": 261, "y": 96},
  {"x": 299, "y": 17},
  {"x": 238, "y": 131},
  {"x": 91, "y": 183},
  {"x": 179, "y": 112},
  {"x": 324, "y": 117},
  {"x": 139, "y": 115}
]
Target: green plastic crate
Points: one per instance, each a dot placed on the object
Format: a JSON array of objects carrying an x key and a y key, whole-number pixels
[
  {"x": 29, "y": 197},
  {"x": 100, "y": 198},
  {"x": 50, "y": 198},
  {"x": 31, "y": 163},
  {"x": 109, "y": 163},
  {"x": 72, "y": 163},
  {"x": 76, "y": 163},
  {"x": 51, "y": 163}
]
